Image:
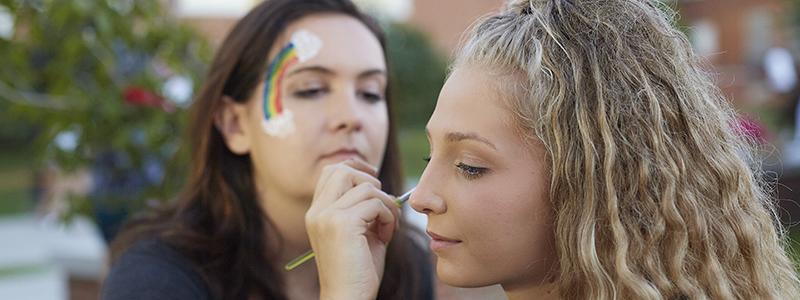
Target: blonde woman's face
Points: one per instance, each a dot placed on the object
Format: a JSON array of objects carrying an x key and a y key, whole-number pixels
[{"x": 485, "y": 191}]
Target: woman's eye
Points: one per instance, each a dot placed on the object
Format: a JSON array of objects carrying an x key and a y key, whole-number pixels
[
  {"x": 371, "y": 97},
  {"x": 310, "y": 93},
  {"x": 471, "y": 172},
  {"x": 427, "y": 159}
]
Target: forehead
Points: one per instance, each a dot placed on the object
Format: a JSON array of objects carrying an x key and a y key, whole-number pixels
[
  {"x": 470, "y": 102},
  {"x": 347, "y": 44}
]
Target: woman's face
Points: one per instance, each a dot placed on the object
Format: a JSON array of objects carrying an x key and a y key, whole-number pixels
[
  {"x": 485, "y": 190},
  {"x": 337, "y": 99}
]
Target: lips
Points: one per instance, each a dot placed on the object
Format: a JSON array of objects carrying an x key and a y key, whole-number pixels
[
  {"x": 343, "y": 154},
  {"x": 439, "y": 242}
]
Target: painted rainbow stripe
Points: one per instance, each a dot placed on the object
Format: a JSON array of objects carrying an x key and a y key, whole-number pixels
[{"x": 273, "y": 105}]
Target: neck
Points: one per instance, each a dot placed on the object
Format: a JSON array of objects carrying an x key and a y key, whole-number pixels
[
  {"x": 287, "y": 216},
  {"x": 546, "y": 291},
  {"x": 302, "y": 282}
]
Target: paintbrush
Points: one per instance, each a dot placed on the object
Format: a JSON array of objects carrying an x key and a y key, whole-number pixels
[{"x": 310, "y": 253}]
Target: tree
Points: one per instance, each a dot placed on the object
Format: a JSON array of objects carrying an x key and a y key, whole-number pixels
[
  {"x": 105, "y": 84},
  {"x": 418, "y": 73}
]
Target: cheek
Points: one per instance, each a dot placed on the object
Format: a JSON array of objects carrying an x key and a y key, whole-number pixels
[
  {"x": 283, "y": 155},
  {"x": 510, "y": 225},
  {"x": 495, "y": 217},
  {"x": 379, "y": 124},
  {"x": 285, "y": 163},
  {"x": 278, "y": 155},
  {"x": 309, "y": 123},
  {"x": 306, "y": 112},
  {"x": 480, "y": 212},
  {"x": 528, "y": 221},
  {"x": 377, "y": 116},
  {"x": 376, "y": 125}
]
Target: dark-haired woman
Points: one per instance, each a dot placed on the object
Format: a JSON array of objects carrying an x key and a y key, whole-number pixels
[{"x": 297, "y": 93}]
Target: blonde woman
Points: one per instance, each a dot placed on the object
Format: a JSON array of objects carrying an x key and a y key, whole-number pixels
[{"x": 578, "y": 151}]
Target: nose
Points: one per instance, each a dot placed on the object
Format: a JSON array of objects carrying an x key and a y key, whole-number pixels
[
  {"x": 344, "y": 112},
  {"x": 425, "y": 198}
]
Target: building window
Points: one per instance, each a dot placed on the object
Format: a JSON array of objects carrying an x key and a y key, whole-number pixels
[
  {"x": 759, "y": 33},
  {"x": 213, "y": 8},
  {"x": 705, "y": 38},
  {"x": 394, "y": 10},
  {"x": 6, "y": 23}
]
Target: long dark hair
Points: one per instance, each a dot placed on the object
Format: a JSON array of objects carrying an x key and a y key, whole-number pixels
[{"x": 217, "y": 221}]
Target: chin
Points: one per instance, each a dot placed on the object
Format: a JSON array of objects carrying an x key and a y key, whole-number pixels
[{"x": 459, "y": 276}]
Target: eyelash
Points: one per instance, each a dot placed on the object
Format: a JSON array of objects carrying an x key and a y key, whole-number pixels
[
  {"x": 371, "y": 97},
  {"x": 310, "y": 93},
  {"x": 469, "y": 172},
  {"x": 317, "y": 92}
]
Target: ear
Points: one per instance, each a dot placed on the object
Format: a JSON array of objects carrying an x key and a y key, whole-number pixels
[{"x": 231, "y": 121}]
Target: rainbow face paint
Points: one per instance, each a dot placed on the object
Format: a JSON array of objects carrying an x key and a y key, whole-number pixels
[{"x": 279, "y": 121}]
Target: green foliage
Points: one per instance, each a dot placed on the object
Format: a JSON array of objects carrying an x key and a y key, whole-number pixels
[
  {"x": 71, "y": 65},
  {"x": 794, "y": 17},
  {"x": 90, "y": 77},
  {"x": 413, "y": 149},
  {"x": 418, "y": 73}
]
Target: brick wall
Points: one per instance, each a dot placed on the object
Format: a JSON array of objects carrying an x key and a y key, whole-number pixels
[
  {"x": 445, "y": 20},
  {"x": 738, "y": 57}
]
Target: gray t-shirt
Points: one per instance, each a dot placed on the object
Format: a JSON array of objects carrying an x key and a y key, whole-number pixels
[{"x": 152, "y": 270}]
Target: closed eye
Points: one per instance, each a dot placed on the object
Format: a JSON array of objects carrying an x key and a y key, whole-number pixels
[
  {"x": 371, "y": 97},
  {"x": 310, "y": 93},
  {"x": 471, "y": 172}
]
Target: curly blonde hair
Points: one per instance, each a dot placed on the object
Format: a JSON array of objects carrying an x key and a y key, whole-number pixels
[{"x": 655, "y": 194}]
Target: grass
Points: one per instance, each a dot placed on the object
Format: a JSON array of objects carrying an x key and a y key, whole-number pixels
[
  {"x": 15, "y": 201},
  {"x": 17, "y": 270}
]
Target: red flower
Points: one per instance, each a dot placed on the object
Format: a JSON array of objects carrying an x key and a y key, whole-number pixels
[
  {"x": 751, "y": 128},
  {"x": 140, "y": 96}
]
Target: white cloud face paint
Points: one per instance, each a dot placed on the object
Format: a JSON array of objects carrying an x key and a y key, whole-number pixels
[{"x": 279, "y": 121}]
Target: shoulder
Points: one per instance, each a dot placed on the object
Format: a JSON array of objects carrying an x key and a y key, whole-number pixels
[{"x": 151, "y": 269}]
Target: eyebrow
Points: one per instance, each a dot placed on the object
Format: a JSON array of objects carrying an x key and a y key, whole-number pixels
[
  {"x": 372, "y": 72},
  {"x": 326, "y": 71},
  {"x": 316, "y": 69},
  {"x": 455, "y": 136}
]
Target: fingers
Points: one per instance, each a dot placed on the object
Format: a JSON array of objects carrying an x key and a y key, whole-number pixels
[
  {"x": 373, "y": 218},
  {"x": 348, "y": 192},
  {"x": 366, "y": 192},
  {"x": 362, "y": 166},
  {"x": 381, "y": 216},
  {"x": 359, "y": 193},
  {"x": 337, "y": 179},
  {"x": 349, "y": 222},
  {"x": 358, "y": 165}
]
